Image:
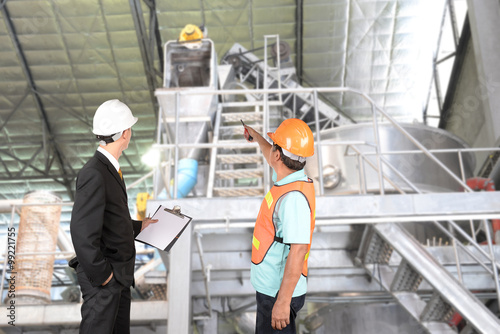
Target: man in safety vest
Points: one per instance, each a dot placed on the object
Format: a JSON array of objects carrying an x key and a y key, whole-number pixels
[{"x": 283, "y": 230}]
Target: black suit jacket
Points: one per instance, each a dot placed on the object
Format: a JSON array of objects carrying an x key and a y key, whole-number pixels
[{"x": 101, "y": 228}]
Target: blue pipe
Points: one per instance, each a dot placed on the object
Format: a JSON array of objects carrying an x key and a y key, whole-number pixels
[{"x": 187, "y": 174}]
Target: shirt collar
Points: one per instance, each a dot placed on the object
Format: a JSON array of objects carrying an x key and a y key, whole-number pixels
[
  {"x": 110, "y": 157},
  {"x": 295, "y": 176}
]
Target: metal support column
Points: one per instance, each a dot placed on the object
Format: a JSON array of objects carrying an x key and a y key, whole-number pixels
[{"x": 179, "y": 285}]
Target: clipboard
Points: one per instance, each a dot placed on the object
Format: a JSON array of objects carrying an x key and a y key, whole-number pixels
[{"x": 166, "y": 231}]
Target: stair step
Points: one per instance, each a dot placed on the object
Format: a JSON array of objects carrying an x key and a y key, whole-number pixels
[
  {"x": 437, "y": 309},
  {"x": 239, "y": 191},
  {"x": 406, "y": 279},
  {"x": 251, "y": 116},
  {"x": 448, "y": 293},
  {"x": 232, "y": 130},
  {"x": 239, "y": 173},
  {"x": 378, "y": 250},
  {"x": 242, "y": 104},
  {"x": 239, "y": 158}
]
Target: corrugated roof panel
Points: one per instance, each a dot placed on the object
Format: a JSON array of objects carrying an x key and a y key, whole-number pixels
[{"x": 378, "y": 49}]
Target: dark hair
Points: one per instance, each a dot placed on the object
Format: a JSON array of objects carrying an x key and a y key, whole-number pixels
[{"x": 292, "y": 164}]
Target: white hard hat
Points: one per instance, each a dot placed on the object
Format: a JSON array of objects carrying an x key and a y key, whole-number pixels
[{"x": 112, "y": 117}]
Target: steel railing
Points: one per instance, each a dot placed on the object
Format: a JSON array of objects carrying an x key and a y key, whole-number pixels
[{"x": 378, "y": 114}]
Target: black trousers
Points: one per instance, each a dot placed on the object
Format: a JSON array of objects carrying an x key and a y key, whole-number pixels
[
  {"x": 105, "y": 309},
  {"x": 264, "y": 314}
]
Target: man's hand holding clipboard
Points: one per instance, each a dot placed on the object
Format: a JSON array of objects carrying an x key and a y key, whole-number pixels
[{"x": 164, "y": 233}]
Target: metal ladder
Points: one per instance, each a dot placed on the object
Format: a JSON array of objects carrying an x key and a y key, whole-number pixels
[
  {"x": 236, "y": 171},
  {"x": 448, "y": 295}
]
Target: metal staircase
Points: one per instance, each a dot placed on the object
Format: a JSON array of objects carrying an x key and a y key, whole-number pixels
[
  {"x": 255, "y": 71},
  {"x": 448, "y": 295},
  {"x": 236, "y": 171}
]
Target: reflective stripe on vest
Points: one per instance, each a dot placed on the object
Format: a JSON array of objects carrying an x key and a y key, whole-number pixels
[{"x": 264, "y": 233}]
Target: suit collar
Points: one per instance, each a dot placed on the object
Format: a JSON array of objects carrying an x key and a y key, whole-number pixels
[
  {"x": 111, "y": 169},
  {"x": 110, "y": 157}
]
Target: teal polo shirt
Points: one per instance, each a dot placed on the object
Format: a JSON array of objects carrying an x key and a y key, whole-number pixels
[{"x": 293, "y": 220}]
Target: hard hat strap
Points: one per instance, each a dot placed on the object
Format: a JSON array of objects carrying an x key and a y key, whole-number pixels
[
  {"x": 293, "y": 156},
  {"x": 105, "y": 140}
]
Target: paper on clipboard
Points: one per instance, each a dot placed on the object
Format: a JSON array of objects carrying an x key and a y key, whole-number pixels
[{"x": 165, "y": 232}]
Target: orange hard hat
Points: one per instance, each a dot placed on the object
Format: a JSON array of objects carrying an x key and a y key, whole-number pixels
[{"x": 295, "y": 136}]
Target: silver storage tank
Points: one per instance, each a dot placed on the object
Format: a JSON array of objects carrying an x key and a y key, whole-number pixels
[{"x": 341, "y": 170}]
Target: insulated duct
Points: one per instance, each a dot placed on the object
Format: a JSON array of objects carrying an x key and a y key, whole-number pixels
[{"x": 37, "y": 239}]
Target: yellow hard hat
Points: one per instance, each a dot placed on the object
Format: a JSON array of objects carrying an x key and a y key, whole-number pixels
[
  {"x": 295, "y": 136},
  {"x": 190, "y": 32}
]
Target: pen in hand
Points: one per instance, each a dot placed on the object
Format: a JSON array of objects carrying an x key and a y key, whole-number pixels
[
  {"x": 246, "y": 134},
  {"x": 147, "y": 221}
]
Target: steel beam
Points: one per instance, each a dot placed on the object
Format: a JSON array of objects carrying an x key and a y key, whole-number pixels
[
  {"x": 13, "y": 111},
  {"x": 222, "y": 213},
  {"x": 142, "y": 312},
  {"x": 24, "y": 163},
  {"x": 145, "y": 45},
  {"x": 38, "y": 102},
  {"x": 29, "y": 162},
  {"x": 299, "y": 21}
]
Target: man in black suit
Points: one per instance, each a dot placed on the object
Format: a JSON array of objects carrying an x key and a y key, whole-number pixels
[{"x": 101, "y": 228}]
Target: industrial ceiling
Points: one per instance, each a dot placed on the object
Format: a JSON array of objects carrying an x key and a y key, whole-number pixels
[{"x": 60, "y": 59}]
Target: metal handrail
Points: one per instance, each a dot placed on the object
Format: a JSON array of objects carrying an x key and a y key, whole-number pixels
[
  {"x": 375, "y": 111},
  {"x": 453, "y": 225},
  {"x": 381, "y": 161}
]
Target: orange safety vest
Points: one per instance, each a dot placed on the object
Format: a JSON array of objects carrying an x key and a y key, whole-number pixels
[{"x": 264, "y": 233}]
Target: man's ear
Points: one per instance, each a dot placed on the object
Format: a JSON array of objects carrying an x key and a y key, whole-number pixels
[
  {"x": 126, "y": 133},
  {"x": 277, "y": 155}
]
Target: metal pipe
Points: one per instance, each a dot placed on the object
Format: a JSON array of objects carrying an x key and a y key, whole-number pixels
[
  {"x": 457, "y": 258},
  {"x": 45, "y": 253},
  {"x": 203, "y": 269},
  {"x": 446, "y": 150},
  {"x": 493, "y": 261},
  {"x": 318, "y": 137},
  {"x": 462, "y": 173},
  {"x": 136, "y": 182},
  {"x": 158, "y": 141},
  {"x": 265, "y": 125},
  {"x": 213, "y": 154},
  {"x": 176, "y": 141},
  {"x": 264, "y": 90},
  {"x": 377, "y": 151},
  {"x": 43, "y": 204},
  {"x": 244, "y": 145},
  {"x": 362, "y": 175},
  {"x": 333, "y": 221}
]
